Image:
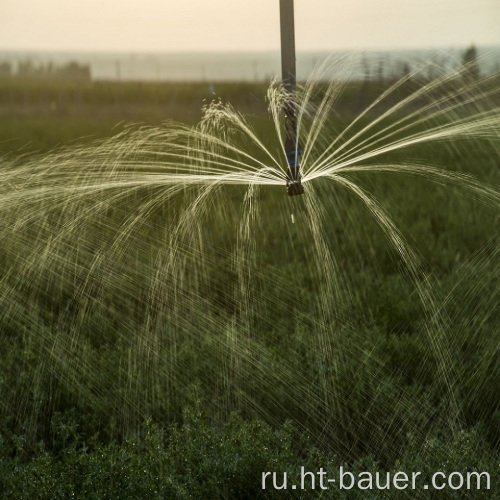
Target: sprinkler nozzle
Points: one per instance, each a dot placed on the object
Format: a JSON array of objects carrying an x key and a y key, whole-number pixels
[
  {"x": 293, "y": 182},
  {"x": 294, "y": 188}
]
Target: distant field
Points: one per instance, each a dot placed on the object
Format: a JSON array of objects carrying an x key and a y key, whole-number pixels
[{"x": 38, "y": 115}]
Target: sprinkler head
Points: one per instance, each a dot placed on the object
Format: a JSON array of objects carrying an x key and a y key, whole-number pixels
[
  {"x": 294, "y": 188},
  {"x": 293, "y": 182}
]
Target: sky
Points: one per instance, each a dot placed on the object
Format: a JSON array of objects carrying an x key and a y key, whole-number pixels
[{"x": 237, "y": 25}]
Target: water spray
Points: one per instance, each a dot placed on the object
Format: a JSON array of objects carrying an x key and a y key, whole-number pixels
[{"x": 288, "y": 74}]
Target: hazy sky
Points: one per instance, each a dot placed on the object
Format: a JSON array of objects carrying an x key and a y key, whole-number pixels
[{"x": 251, "y": 25}]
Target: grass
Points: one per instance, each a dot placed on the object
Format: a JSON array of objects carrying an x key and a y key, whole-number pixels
[{"x": 109, "y": 393}]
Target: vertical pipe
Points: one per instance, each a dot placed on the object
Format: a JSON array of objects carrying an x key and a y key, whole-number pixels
[
  {"x": 289, "y": 77},
  {"x": 288, "y": 69}
]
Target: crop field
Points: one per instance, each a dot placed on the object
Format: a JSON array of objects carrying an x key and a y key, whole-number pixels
[{"x": 172, "y": 324}]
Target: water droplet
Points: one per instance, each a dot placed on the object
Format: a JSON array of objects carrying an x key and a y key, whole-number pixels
[{"x": 293, "y": 219}]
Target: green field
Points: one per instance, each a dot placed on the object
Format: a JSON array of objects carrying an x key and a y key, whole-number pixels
[{"x": 175, "y": 341}]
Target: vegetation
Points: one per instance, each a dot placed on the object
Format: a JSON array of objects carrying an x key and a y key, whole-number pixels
[
  {"x": 125, "y": 393},
  {"x": 470, "y": 63},
  {"x": 199, "y": 460}
]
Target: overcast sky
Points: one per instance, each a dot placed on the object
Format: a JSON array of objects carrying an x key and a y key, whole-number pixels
[{"x": 249, "y": 25}]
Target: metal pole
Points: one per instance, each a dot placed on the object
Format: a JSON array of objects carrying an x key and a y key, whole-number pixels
[
  {"x": 288, "y": 69},
  {"x": 289, "y": 77}
]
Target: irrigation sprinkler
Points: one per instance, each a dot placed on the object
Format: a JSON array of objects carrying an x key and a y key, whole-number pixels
[{"x": 288, "y": 75}]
